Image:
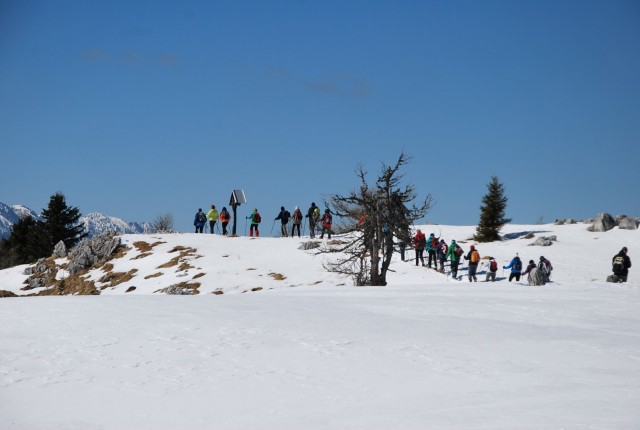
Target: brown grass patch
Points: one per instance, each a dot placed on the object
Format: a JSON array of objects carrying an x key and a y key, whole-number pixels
[
  {"x": 529, "y": 236},
  {"x": 144, "y": 254},
  {"x": 181, "y": 288},
  {"x": 74, "y": 284},
  {"x": 130, "y": 289},
  {"x": 115, "y": 278},
  {"x": 252, "y": 268},
  {"x": 181, "y": 248},
  {"x": 256, "y": 289},
  {"x": 199, "y": 275},
  {"x": 218, "y": 292},
  {"x": 184, "y": 266},
  {"x": 142, "y": 246},
  {"x": 278, "y": 276},
  {"x": 155, "y": 275},
  {"x": 5, "y": 293},
  {"x": 119, "y": 252},
  {"x": 173, "y": 262},
  {"x": 107, "y": 267},
  {"x": 317, "y": 282}
]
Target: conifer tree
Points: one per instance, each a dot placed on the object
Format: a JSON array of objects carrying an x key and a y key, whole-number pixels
[
  {"x": 492, "y": 212},
  {"x": 62, "y": 223}
]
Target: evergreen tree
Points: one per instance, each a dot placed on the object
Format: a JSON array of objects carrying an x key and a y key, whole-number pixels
[
  {"x": 61, "y": 223},
  {"x": 492, "y": 212}
]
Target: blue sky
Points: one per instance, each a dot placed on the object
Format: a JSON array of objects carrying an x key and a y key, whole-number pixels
[{"x": 137, "y": 109}]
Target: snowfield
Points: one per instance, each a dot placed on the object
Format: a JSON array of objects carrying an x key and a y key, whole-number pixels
[{"x": 311, "y": 351}]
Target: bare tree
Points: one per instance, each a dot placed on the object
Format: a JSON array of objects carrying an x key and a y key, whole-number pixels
[
  {"x": 162, "y": 224},
  {"x": 369, "y": 220}
]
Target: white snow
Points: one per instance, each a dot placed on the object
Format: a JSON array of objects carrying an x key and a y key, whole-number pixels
[{"x": 424, "y": 352}]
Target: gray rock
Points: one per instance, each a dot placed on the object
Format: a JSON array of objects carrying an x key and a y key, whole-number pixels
[
  {"x": 626, "y": 223},
  {"x": 603, "y": 222},
  {"x": 544, "y": 241},
  {"x": 60, "y": 250},
  {"x": 92, "y": 251},
  {"x": 39, "y": 267},
  {"x": 309, "y": 245},
  {"x": 177, "y": 290}
]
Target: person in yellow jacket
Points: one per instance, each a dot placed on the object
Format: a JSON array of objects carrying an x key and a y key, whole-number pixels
[{"x": 212, "y": 216}]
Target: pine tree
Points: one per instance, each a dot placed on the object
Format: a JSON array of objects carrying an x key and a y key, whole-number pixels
[
  {"x": 492, "y": 212},
  {"x": 61, "y": 223}
]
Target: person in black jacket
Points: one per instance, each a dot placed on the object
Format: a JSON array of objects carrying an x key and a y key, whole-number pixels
[
  {"x": 621, "y": 264},
  {"x": 313, "y": 214},
  {"x": 283, "y": 216}
]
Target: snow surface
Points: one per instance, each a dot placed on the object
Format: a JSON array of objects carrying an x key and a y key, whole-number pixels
[{"x": 424, "y": 352}]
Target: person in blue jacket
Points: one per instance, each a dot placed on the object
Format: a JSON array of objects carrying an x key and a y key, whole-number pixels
[
  {"x": 200, "y": 220},
  {"x": 516, "y": 268}
]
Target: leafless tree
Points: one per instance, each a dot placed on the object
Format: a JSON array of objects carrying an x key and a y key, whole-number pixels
[
  {"x": 162, "y": 224},
  {"x": 369, "y": 219}
]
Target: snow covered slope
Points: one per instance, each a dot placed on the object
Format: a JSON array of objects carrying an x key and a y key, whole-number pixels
[{"x": 425, "y": 352}]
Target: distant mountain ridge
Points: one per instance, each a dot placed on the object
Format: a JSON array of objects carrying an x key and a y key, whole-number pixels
[{"x": 95, "y": 223}]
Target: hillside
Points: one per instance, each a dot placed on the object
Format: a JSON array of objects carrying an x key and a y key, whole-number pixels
[{"x": 208, "y": 264}]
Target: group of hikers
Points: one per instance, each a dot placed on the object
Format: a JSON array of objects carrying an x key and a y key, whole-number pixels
[
  {"x": 313, "y": 214},
  {"x": 438, "y": 251},
  {"x": 537, "y": 273}
]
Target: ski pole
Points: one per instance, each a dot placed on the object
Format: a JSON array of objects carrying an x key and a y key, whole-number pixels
[{"x": 272, "y": 225}]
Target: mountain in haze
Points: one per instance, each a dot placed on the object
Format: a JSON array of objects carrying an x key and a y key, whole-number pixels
[{"x": 95, "y": 223}]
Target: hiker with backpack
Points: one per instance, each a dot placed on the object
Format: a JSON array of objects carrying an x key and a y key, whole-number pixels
[
  {"x": 516, "y": 268},
  {"x": 255, "y": 219},
  {"x": 326, "y": 221},
  {"x": 314, "y": 215},
  {"x": 419, "y": 243},
  {"x": 212, "y": 216},
  {"x": 530, "y": 267},
  {"x": 442, "y": 254},
  {"x": 225, "y": 217},
  {"x": 620, "y": 266},
  {"x": 296, "y": 221},
  {"x": 454, "y": 254},
  {"x": 432, "y": 246},
  {"x": 200, "y": 220},
  {"x": 474, "y": 259},
  {"x": 283, "y": 216},
  {"x": 545, "y": 267},
  {"x": 492, "y": 269}
]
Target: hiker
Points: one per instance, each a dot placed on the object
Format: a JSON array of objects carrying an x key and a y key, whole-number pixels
[
  {"x": 212, "y": 216},
  {"x": 297, "y": 220},
  {"x": 255, "y": 220},
  {"x": 432, "y": 246},
  {"x": 474, "y": 259},
  {"x": 454, "y": 253},
  {"x": 492, "y": 269},
  {"x": 419, "y": 242},
  {"x": 200, "y": 220},
  {"x": 545, "y": 266},
  {"x": 516, "y": 268},
  {"x": 530, "y": 267},
  {"x": 621, "y": 264},
  {"x": 402, "y": 245},
  {"x": 442, "y": 254},
  {"x": 326, "y": 224},
  {"x": 313, "y": 214},
  {"x": 225, "y": 217},
  {"x": 283, "y": 216}
]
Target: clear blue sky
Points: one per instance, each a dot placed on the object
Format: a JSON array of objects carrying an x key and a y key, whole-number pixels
[{"x": 140, "y": 108}]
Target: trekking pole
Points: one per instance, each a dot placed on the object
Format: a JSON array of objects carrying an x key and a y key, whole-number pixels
[
  {"x": 218, "y": 228},
  {"x": 272, "y": 225}
]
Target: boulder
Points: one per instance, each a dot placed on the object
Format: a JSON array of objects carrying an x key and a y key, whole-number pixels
[
  {"x": 92, "y": 251},
  {"x": 603, "y": 222},
  {"x": 60, "y": 250},
  {"x": 544, "y": 241},
  {"x": 310, "y": 244},
  {"x": 626, "y": 223},
  {"x": 39, "y": 267}
]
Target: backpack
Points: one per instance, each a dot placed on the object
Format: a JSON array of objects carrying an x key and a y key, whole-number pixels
[
  {"x": 444, "y": 248},
  {"x": 517, "y": 266},
  {"x": 202, "y": 217},
  {"x": 434, "y": 243},
  {"x": 316, "y": 212},
  {"x": 618, "y": 264},
  {"x": 493, "y": 266},
  {"x": 226, "y": 216},
  {"x": 457, "y": 250},
  {"x": 475, "y": 257},
  {"x": 256, "y": 218}
]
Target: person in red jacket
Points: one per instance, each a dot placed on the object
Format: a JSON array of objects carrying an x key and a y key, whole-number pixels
[
  {"x": 419, "y": 242},
  {"x": 326, "y": 223}
]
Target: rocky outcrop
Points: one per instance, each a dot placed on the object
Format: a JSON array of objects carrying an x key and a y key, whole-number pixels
[
  {"x": 60, "y": 250},
  {"x": 602, "y": 222},
  {"x": 92, "y": 251},
  {"x": 565, "y": 221},
  {"x": 544, "y": 241},
  {"x": 310, "y": 244},
  {"x": 626, "y": 223}
]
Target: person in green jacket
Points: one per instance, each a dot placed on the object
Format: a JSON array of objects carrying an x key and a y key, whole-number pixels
[
  {"x": 255, "y": 220},
  {"x": 212, "y": 216},
  {"x": 454, "y": 253}
]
